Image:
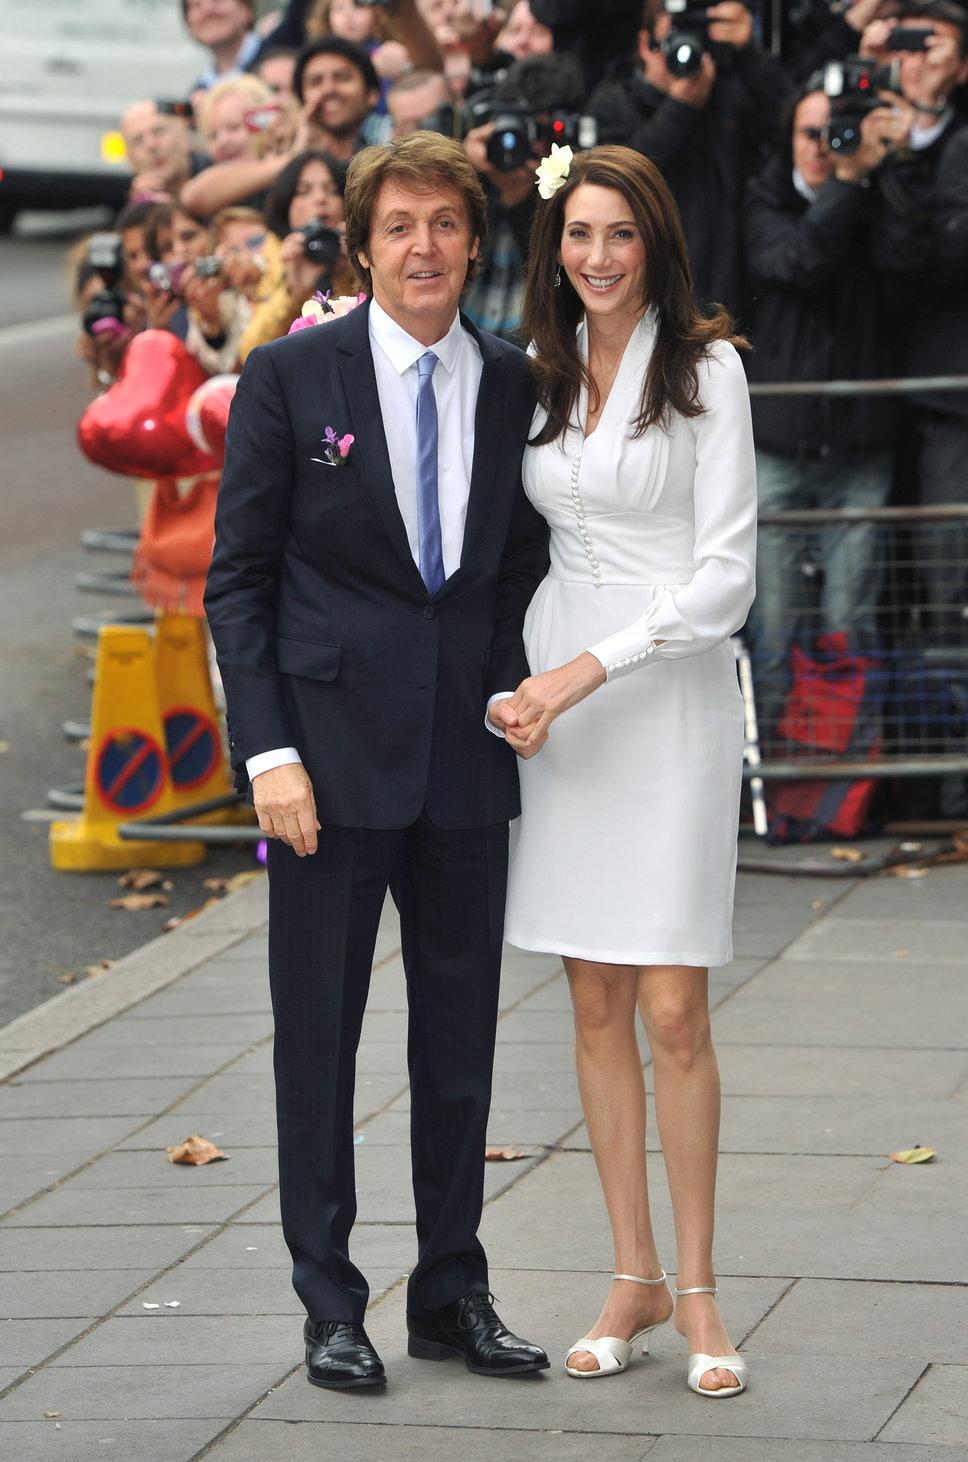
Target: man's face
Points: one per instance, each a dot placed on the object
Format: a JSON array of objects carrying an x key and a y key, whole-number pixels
[
  {"x": 156, "y": 143},
  {"x": 277, "y": 73},
  {"x": 418, "y": 253},
  {"x": 408, "y": 108},
  {"x": 336, "y": 92},
  {"x": 218, "y": 22},
  {"x": 810, "y": 151},
  {"x": 915, "y": 64}
]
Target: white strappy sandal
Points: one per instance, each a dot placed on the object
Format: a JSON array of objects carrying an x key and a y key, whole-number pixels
[
  {"x": 699, "y": 1363},
  {"x": 612, "y": 1353}
]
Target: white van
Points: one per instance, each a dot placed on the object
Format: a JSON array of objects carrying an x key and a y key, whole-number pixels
[{"x": 68, "y": 68}]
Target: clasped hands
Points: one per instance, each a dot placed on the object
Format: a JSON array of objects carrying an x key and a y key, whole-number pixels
[{"x": 526, "y": 716}]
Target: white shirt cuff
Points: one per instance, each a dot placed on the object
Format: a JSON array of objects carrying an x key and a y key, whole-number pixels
[
  {"x": 265, "y": 760},
  {"x": 502, "y": 695}
]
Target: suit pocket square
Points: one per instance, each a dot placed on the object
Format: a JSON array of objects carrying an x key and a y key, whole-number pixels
[{"x": 323, "y": 462}]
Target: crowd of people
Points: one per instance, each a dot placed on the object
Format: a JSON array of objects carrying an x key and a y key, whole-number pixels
[{"x": 821, "y": 174}]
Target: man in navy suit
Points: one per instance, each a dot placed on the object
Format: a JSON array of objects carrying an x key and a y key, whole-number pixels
[{"x": 366, "y": 598}]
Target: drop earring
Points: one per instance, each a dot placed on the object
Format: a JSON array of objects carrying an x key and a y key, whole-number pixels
[{"x": 558, "y": 277}]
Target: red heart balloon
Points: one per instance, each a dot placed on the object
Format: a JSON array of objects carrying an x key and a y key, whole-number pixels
[
  {"x": 207, "y": 414},
  {"x": 138, "y": 426}
]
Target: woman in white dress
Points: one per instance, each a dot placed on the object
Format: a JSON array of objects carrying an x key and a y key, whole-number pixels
[{"x": 623, "y": 860}]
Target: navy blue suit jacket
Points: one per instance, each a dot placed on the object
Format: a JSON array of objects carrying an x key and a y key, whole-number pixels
[{"x": 326, "y": 636}]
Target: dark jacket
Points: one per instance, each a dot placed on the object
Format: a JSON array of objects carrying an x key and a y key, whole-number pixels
[
  {"x": 827, "y": 282},
  {"x": 326, "y": 636},
  {"x": 939, "y": 338},
  {"x": 706, "y": 156}
]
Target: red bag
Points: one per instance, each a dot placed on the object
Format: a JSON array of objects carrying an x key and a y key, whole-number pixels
[{"x": 831, "y": 711}]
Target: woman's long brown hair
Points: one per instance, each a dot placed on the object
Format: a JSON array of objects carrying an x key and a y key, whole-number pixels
[{"x": 551, "y": 314}]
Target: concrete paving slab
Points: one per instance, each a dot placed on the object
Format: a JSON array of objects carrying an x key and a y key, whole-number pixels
[
  {"x": 517, "y": 1128},
  {"x": 797, "y": 1014},
  {"x": 775, "y": 1449},
  {"x": 818, "y": 1071},
  {"x": 84, "y": 1441},
  {"x": 145, "y": 1247},
  {"x": 943, "y": 894},
  {"x": 185, "y": 998},
  {"x": 143, "y": 1060},
  {"x": 223, "y": 1127},
  {"x": 73, "y": 1139},
  {"x": 846, "y": 939},
  {"x": 219, "y": 1292},
  {"x": 72, "y": 1295},
  {"x": 242, "y": 1249},
  {"x": 936, "y": 1411},
  {"x": 26, "y": 1343},
  {"x": 136, "y": 1392},
  {"x": 255, "y": 1440},
  {"x": 244, "y": 1030},
  {"x": 913, "y": 1320},
  {"x": 178, "y": 1204},
  {"x": 166, "y": 1337},
  {"x": 132, "y": 1169},
  {"x": 94, "y": 1097}
]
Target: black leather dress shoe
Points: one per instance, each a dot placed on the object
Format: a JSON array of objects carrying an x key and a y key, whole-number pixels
[
  {"x": 341, "y": 1356},
  {"x": 471, "y": 1329}
]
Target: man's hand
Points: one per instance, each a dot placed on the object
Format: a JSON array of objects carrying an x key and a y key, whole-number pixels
[
  {"x": 695, "y": 91},
  {"x": 286, "y": 807},
  {"x": 731, "y": 24},
  {"x": 862, "y": 12},
  {"x": 511, "y": 188},
  {"x": 882, "y": 132},
  {"x": 540, "y": 698}
]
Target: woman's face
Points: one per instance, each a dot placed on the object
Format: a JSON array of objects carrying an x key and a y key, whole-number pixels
[
  {"x": 603, "y": 253},
  {"x": 136, "y": 256},
  {"x": 190, "y": 240},
  {"x": 228, "y": 137},
  {"x": 316, "y": 196},
  {"x": 351, "y": 21}
]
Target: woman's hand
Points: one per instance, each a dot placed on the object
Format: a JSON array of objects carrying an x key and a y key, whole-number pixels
[
  {"x": 540, "y": 698},
  {"x": 202, "y": 297}
]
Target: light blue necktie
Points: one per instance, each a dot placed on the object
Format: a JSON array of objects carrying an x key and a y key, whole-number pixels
[{"x": 428, "y": 506}]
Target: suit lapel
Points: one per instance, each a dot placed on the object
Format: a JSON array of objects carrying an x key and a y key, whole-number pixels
[
  {"x": 355, "y": 364},
  {"x": 487, "y": 449}
]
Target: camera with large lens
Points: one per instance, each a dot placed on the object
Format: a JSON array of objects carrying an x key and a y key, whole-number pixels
[
  {"x": 852, "y": 86},
  {"x": 688, "y": 39},
  {"x": 321, "y": 243},
  {"x": 517, "y": 130},
  {"x": 167, "y": 277},
  {"x": 105, "y": 257}
]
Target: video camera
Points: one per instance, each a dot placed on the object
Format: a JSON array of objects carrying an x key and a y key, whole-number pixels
[
  {"x": 517, "y": 130},
  {"x": 853, "y": 85},
  {"x": 105, "y": 257}
]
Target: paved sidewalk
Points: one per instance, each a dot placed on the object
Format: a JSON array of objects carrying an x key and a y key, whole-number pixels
[{"x": 842, "y": 1031}]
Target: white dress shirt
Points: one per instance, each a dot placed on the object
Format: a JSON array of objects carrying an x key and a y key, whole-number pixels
[{"x": 457, "y": 381}]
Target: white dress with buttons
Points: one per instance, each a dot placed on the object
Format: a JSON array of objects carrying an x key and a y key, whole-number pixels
[{"x": 625, "y": 850}]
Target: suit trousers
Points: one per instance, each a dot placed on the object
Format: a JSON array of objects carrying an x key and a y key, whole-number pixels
[{"x": 324, "y": 911}]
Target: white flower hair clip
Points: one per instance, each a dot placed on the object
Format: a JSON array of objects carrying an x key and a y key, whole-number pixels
[{"x": 553, "y": 170}]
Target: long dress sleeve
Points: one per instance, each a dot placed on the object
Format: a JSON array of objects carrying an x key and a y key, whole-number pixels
[{"x": 693, "y": 618}]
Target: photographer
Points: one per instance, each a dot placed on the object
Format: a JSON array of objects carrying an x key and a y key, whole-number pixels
[
  {"x": 932, "y": 65},
  {"x": 825, "y": 33},
  {"x": 414, "y": 96},
  {"x": 529, "y": 94},
  {"x": 303, "y": 250},
  {"x": 828, "y": 274},
  {"x": 597, "y": 35},
  {"x": 707, "y": 130}
]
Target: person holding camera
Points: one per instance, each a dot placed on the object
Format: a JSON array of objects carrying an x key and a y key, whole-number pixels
[
  {"x": 702, "y": 103},
  {"x": 303, "y": 250},
  {"x": 505, "y": 151},
  {"x": 829, "y": 273}
]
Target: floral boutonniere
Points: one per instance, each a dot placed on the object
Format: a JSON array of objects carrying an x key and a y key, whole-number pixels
[
  {"x": 323, "y": 307},
  {"x": 336, "y": 449}
]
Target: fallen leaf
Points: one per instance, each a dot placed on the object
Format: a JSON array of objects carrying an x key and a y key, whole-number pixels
[
  {"x": 178, "y": 919},
  {"x": 908, "y": 870},
  {"x": 229, "y": 885},
  {"x": 196, "y": 1151},
  {"x": 913, "y": 1154},
  {"x": 4, "y": 747},
  {"x": 140, "y": 879},
  {"x": 138, "y": 901},
  {"x": 503, "y": 1154},
  {"x": 816, "y": 904},
  {"x": 50, "y": 1414},
  {"x": 69, "y": 977},
  {"x": 847, "y": 855},
  {"x": 902, "y": 954}
]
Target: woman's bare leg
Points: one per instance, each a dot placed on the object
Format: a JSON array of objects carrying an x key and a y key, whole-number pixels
[
  {"x": 612, "y": 1090},
  {"x": 674, "y": 1004}
]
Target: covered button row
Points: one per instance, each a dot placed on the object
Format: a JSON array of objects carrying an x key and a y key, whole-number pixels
[
  {"x": 580, "y": 516},
  {"x": 631, "y": 659}
]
